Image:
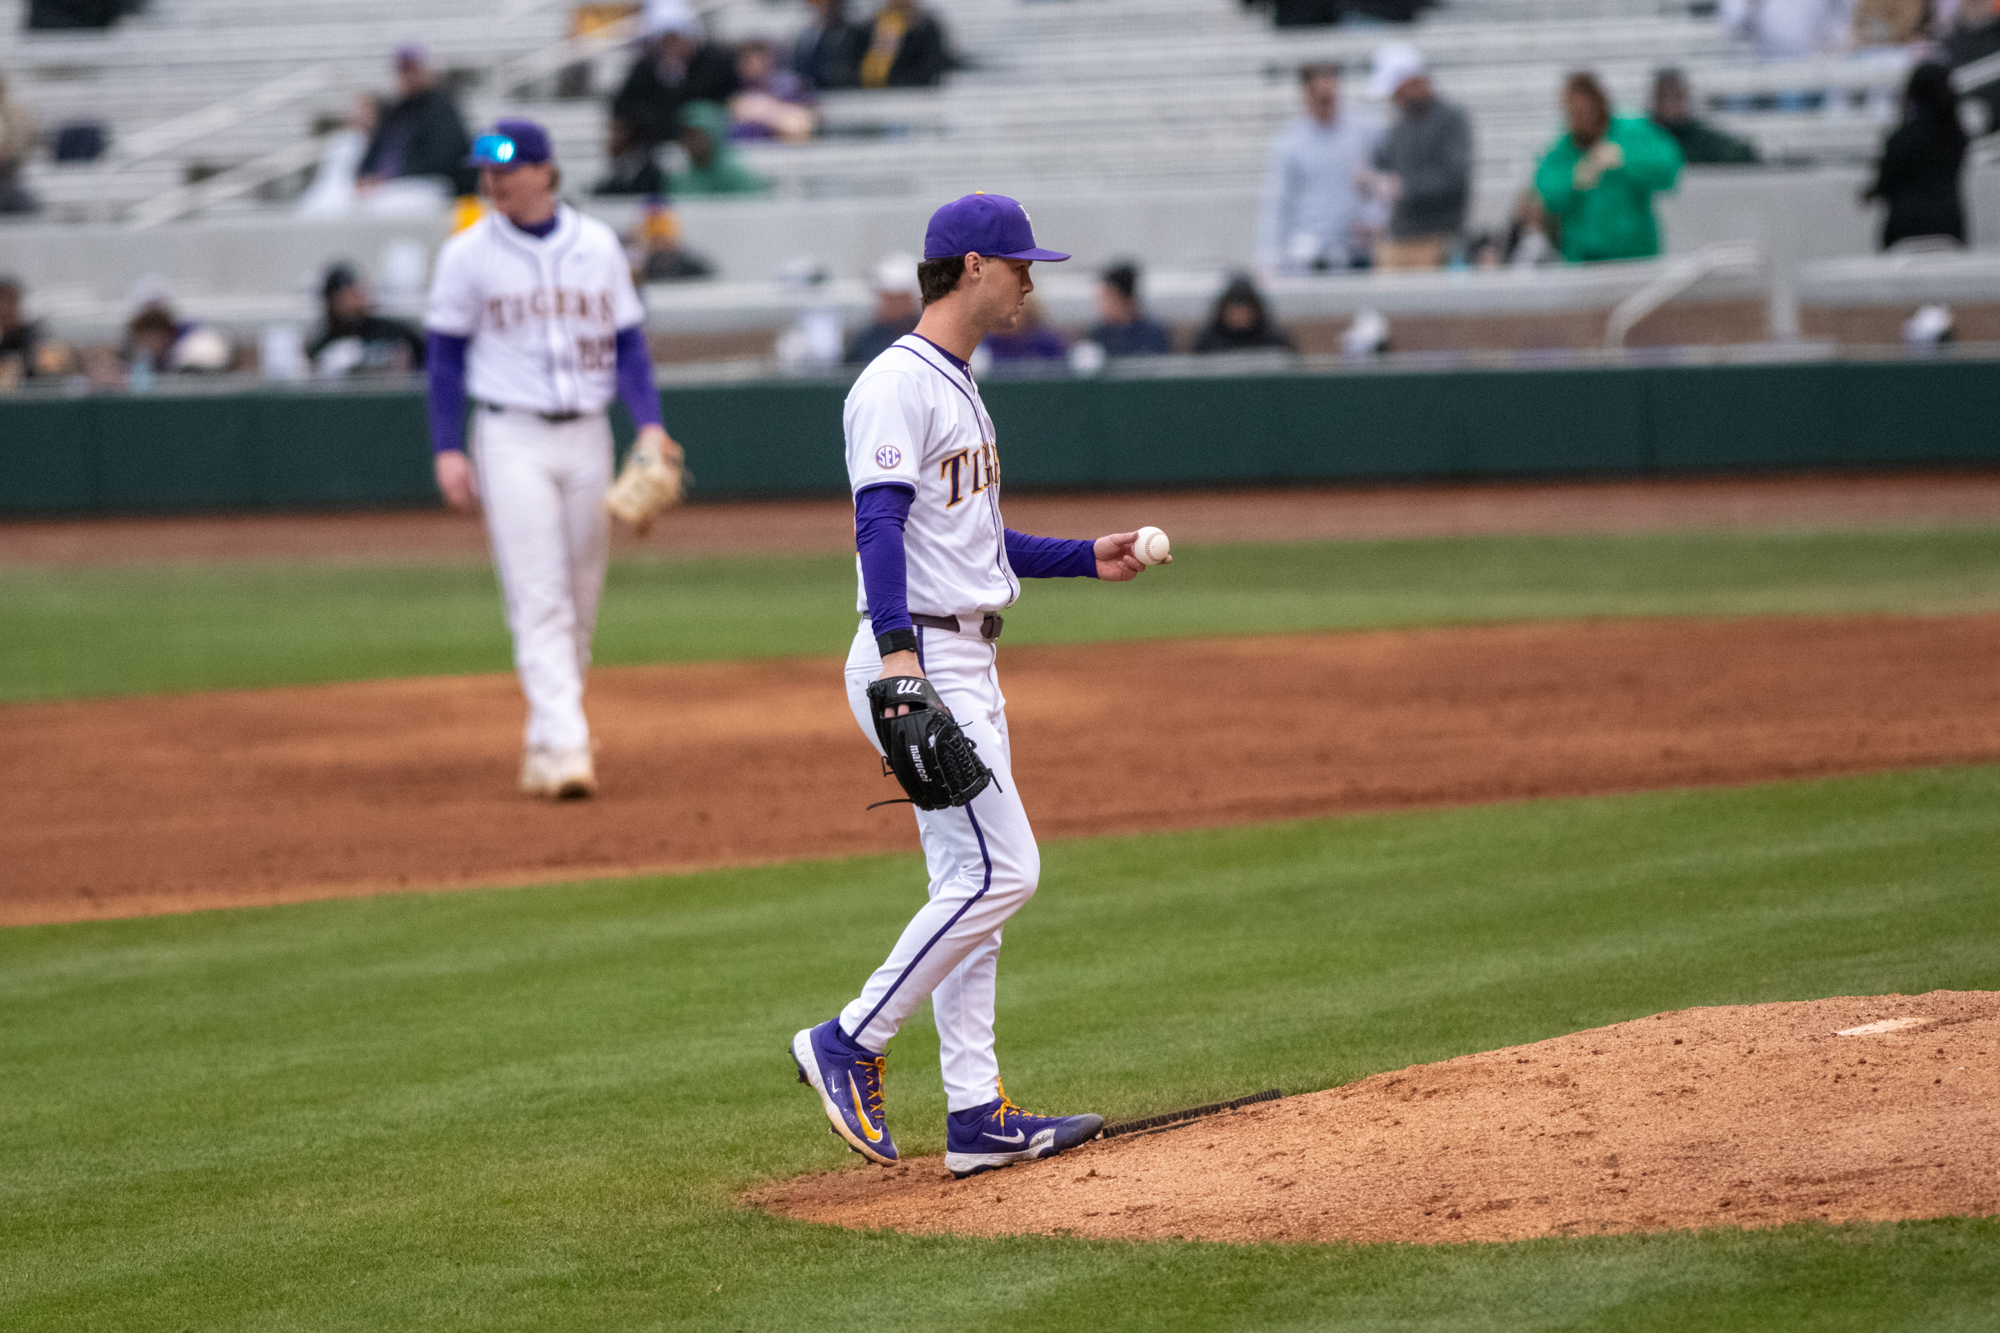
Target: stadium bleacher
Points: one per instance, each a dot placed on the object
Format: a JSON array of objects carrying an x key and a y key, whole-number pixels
[{"x": 1140, "y": 124}]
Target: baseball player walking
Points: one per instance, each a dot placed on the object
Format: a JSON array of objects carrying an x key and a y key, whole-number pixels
[
  {"x": 937, "y": 565},
  {"x": 533, "y": 323}
]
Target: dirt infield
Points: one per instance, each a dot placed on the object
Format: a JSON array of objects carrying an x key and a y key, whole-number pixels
[
  {"x": 1748, "y": 1116},
  {"x": 130, "y": 806},
  {"x": 1308, "y": 513}
]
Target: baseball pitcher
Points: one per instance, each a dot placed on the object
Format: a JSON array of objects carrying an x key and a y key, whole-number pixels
[
  {"x": 937, "y": 566},
  {"x": 533, "y": 325}
]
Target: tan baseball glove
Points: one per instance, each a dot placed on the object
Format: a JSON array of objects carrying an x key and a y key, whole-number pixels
[{"x": 653, "y": 480}]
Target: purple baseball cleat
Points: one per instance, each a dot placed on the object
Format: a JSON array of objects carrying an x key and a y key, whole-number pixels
[
  {"x": 848, "y": 1080},
  {"x": 999, "y": 1134}
]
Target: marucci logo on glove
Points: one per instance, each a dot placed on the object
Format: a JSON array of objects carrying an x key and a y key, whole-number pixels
[{"x": 922, "y": 745}]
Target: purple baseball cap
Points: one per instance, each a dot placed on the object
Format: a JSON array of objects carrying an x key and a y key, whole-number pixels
[
  {"x": 985, "y": 224},
  {"x": 513, "y": 143}
]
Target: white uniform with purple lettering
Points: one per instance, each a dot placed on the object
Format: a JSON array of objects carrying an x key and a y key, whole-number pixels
[
  {"x": 915, "y": 419},
  {"x": 542, "y": 315}
]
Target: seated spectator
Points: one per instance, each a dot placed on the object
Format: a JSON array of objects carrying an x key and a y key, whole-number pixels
[
  {"x": 1031, "y": 338},
  {"x": 18, "y": 337},
  {"x": 906, "y": 48},
  {"x": 1598, "y": 180},
  {"x": 1700, "y": 142},
  {"x": 662, "y": 258},
  {"x": 1789, "y": 29},
  {"x": 712, "y": 164},
  {"x": 353, "y": 339},
  {"x": 17, "y": 140},
  {"x": 158, "y": 341},
  {"x": 420, "y": 134},
  {"x": 1921, "y": 163},
  {"x": 773, "y": 102},
  {"x": 1423, "y": 164},
  {"x": 631, "y": 166},
  {"x": 827, "y": 54},
  {"x": 1240, "y": 323},
  {"x": 1312, "y": 214},
  {"x": 678, "y": 65},
  {"x": 897, "y": 310},
  {"x": 1122, "y": 326}
]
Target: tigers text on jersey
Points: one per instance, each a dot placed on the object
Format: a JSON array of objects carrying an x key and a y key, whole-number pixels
[
  {"x": 914, "y": 419},
  {"x": 542, "y": 314}
]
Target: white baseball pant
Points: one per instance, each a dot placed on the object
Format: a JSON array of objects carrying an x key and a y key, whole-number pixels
[
  {"x": 983, "y": 866},
  {"x": 542, "y": 486}
]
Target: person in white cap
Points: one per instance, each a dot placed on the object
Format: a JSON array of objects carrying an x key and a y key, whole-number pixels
[
  {"x": 896, "y": 309},
  {"x": 1424, "y": 164}
]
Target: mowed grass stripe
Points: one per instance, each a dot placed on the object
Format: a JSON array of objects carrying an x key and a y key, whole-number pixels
[
  {"x": 83, "y": 632},
  {"x": 530, "y": 1109}
]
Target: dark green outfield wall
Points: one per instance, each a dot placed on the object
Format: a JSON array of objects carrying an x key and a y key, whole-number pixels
[{"x": 295, "y": 450}]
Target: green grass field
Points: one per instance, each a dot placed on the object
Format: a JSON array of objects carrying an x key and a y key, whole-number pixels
[
  {"x": 76, "y": 633},
  {"x": 530, "y": 1109}
]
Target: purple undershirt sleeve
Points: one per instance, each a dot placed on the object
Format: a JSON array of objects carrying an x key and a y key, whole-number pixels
[
  {"x": 444, "y": 365},
  {"x": 1050, "y": 557},
  {"x": 879, "y": 515},
  {"x": 635, "y": 377}
]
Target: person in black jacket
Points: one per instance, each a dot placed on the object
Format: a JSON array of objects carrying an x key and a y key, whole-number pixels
[
  {"x": 906, "y": 48},
  {"x": 828, "y": 53},
  {"x": 631, "y": 167},
  {"x": 1701, "y": 142},
  {"x": 421, "y": 133},
  {"x": 1922, "y": 160},
  {"x": 355, "y": 340},
  {"x": 676, "y": 67},
  {"x": 1240, "y": 322}
]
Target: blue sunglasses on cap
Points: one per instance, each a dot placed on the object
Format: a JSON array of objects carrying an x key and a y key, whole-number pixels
[{"x": 494, "y": 150}]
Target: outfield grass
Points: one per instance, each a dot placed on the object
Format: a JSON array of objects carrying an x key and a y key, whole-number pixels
[
  {"x": 529, "y": 1109},
  {"x": 73, "y": 633}
]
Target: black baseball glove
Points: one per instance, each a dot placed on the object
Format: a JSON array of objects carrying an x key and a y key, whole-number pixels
[{"x": 924, "y": 748}]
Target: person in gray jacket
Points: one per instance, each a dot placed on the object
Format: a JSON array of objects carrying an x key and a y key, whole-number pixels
[{"x": 1424, "y": 165}]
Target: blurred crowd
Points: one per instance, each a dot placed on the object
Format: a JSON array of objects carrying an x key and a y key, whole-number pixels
[
  {"x": 687, "y": 92},
  {"x": 1343, "y": 191},
  {"x": 351, "y": 339},
  {"x": 1382, "y": 181}
]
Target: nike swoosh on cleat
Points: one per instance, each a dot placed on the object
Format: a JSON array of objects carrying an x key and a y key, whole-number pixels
[
  {"x": 868, "y": 1131},
  {"x": 1020, "y": 1136}
]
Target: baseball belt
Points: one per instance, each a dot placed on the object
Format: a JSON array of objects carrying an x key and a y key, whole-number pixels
[
  {"x": 553, "y": 418},
  {"x": 989, "y": 628}
]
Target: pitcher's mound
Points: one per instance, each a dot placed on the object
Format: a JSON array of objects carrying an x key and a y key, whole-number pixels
[{"x": 1749, "y": 1115}]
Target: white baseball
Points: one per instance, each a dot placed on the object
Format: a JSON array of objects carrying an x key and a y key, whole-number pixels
[{"x": 1151, "y": 546}]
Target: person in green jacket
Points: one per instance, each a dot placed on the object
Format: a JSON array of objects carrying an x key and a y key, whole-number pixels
[
  {"x": 712, "y": 167},
  {"x": 1598, "y": 180}
]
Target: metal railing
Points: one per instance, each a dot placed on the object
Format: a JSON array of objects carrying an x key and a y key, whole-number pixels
[
  {"x": 1675, "y": 279},
  {"x": 153, "y": 142}
]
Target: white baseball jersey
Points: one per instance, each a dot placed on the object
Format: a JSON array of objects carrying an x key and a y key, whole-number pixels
[
  {"x": 915, "y": 419},
  {"x": 543, "y": 314}
]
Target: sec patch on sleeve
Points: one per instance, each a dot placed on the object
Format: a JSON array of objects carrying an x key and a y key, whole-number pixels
[{"x": 888, "y": 456}]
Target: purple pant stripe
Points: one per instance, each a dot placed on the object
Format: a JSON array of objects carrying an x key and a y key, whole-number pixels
[{"x": 987, "y": 861}]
